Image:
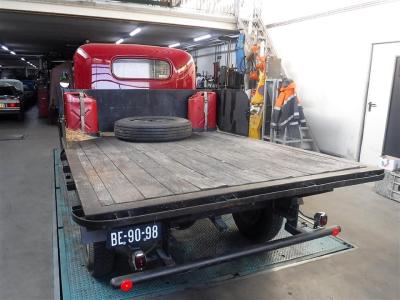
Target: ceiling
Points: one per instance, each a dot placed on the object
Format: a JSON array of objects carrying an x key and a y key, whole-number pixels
[{"x": 57, "y": 37}]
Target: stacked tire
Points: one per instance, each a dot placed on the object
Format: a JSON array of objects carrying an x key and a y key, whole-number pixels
[{"x": 152, "y": 129}]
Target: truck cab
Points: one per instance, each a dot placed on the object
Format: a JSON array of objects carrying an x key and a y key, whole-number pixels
[{"x": 110, "y": 66}]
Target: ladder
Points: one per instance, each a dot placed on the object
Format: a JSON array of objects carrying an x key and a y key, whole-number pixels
[
  {"x": 395, "y": 190},
  {"x": 304, "y": 138}
]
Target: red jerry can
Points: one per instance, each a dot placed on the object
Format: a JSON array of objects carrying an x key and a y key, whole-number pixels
[
  {"x": 43, "y": 102},
  {"x": 200, "y": 105},
  {"x": 80, "y": 109}
]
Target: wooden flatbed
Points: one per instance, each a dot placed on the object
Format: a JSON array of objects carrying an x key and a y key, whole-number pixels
[{"x": 208, "y": 171}]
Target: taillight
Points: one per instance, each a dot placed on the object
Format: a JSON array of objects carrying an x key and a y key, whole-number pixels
[
  {"x": 126, "y": 285},
  {"x": 13, "y": 105},
  {"x": 139, "y": 259},
  {"x": 320, "y": 219},
  {"x": 336, "y": 231}
]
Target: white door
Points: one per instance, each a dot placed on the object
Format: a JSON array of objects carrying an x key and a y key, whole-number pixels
[{"x": 378, "y": 100}]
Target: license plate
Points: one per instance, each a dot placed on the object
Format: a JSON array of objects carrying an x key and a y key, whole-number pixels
[
  {"x": 134, "y": 236},
  {"x": 2, "y": 105}
]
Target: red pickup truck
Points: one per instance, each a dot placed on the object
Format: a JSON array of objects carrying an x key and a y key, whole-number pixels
[{"x": 128, "y": 196}]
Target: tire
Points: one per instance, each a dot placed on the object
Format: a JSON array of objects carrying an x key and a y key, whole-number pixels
[
  {"x": 185, "y": 225},
  {"x": 99, "y": 259},
  {"x": 258, "y": 225},
  {"x": 152, "y": 129}
]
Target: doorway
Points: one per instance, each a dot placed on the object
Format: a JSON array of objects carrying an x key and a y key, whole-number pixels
[
  {"x": 382, "y": 114},
  {"x": 391, "y": 145}
]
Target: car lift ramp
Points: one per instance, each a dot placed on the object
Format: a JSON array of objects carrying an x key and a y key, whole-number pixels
[{"x": 72, "y": 280}]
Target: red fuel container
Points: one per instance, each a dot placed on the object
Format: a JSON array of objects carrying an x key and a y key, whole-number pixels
[
  {"x": 73, "y": 101},
  {"x": 43, "y": 102},
  {"x": 200, "y": 105}
]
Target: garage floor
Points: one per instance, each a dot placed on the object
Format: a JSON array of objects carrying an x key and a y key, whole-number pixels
[{"x": 369, "y": 221}]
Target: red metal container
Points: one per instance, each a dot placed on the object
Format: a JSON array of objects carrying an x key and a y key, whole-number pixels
[
  {"x": 43, "y": 102},
  {"x": 200, "y": 105},
  {"x": 74, "y": 104}
]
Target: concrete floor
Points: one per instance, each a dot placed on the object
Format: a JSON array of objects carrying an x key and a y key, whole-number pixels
[
  {"x": 26, "y": 197},
  {"x": 371, "y": 222}
]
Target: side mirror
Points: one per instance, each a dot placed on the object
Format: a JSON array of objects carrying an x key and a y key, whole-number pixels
[{"x": 64, "y": 80}]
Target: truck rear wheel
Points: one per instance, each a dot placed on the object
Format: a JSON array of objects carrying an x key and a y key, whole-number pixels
[
  {"x": 99, "y": 259},
  {"x": 259, "y": 225},
  {"x": 185, "y": 225}
]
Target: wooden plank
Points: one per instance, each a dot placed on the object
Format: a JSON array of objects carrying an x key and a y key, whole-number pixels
[
  {"x": 87, "y": 195},
  {"x": 292, "y": 150},
  {"x": 269, "y": 156},
  {"x": 164, "y": 176},
  {"x": 333, "y": 179},
  {"x": 176, "y": 168},
  {"x": 117, "y": 184},
  {"x": 137, "y": 176},
  {"x": 102, "y": 193},
  {"x": 209, "y": 166},
  {"x": 242, "y": 160},
  {"x": 278, "y": 165},
  {"x": 290, "y": 157},
  {"x": 226, "y": 159}
]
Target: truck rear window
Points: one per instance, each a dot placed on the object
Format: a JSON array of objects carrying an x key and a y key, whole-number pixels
[{"x": 139, "y": 68}]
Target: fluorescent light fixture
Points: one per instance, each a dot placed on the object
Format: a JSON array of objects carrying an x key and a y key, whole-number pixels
[
  {"x": 4, "y": 48},
  {"x": 174, "y": 45},
  {"x": 119, "y": 41},
  {"x": 203, "y": 37},
  {"x": 135, "y": 31},
  {"x": 13, "y": 53},
  {"x": 22, "y": 58}
]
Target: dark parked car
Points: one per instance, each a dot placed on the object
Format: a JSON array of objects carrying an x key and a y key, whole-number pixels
[
  {"x": 11, "y": 101},
  {"x": 30, "y": 91}
]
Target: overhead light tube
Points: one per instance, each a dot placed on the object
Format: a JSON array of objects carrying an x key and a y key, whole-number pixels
[
  {"x": 174, "y": 45},
  {"x": 203, "y": 37},
  {"x": 22, "y": 58},
  {"x": 119, "y": 41},
  {"x": 13, "y": 53},
  {"x": 4, "y": 48},
  {"x": 135, "y": 31}
]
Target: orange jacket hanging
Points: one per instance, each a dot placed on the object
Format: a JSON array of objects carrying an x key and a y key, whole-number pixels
[{"x": 287, "y": 109}]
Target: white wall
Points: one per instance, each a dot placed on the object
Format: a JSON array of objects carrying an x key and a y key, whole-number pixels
[
  {"x": 329, "y": 59},
  {"x": 206, "y": 58},
  {"x": 283, "y": 10}
]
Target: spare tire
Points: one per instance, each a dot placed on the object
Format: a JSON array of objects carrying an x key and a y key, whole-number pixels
[{"x": 152, "y": 129}]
